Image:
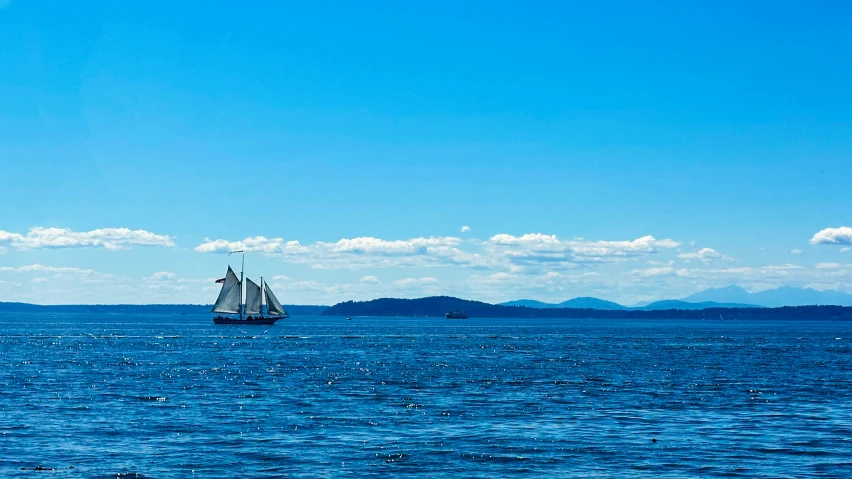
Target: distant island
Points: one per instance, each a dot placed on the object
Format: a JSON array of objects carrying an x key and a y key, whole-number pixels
[{"x": 437, "y": 306}]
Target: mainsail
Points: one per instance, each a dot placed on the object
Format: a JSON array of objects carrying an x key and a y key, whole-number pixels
[
  {"x": 272, "y": 305},
  {"x": 229, "y": 298},
  {"x": 252, "y": 297}
]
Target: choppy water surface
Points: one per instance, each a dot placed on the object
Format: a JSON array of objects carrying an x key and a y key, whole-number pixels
[{"x": 157, "y": 397}]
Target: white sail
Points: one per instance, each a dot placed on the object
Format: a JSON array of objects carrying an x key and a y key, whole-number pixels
[
  {"x": 272, "y": 305},
  {"x": 229, "y": 298},
  {"x": 252, "y": 297}
]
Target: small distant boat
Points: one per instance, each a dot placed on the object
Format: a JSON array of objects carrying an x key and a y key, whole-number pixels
[
  {"x": 230, "y": 301},
  {"x": 456, "y": 315}
]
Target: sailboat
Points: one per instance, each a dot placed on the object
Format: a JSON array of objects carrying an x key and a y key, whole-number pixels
[{"x": 230, "y": 301}]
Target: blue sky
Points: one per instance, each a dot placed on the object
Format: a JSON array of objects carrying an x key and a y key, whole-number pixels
[{"x": 562, "y": 135}]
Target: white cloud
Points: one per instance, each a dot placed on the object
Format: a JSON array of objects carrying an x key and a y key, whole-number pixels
[
  {"x": 501, "y": 252},
  {"x": 109, "y": 238},
  {"x": 45, "y": 269},
  {"x": 704, "y": 254},
  {"x": 465, "y": 229},
  {"x": 164, "y": 282},
  {"x": 163, "y": 276},
  {"x": 412, "y": 282},
  {"x": 827, "y": 265},
  {"x": 370, "y": 280},
  {"x": 841, "y": 235},
  {"x": 63, "y": 278},
  {"x": 541, "y": 249},
  {"x": 355, "y": 253},
  {"x": 369, "y": 245},
  {"x": 260, "y": 244},
  {"x": 500, "y": 276},
  {"x": 845, "y": 249},
  {"x": 796, "y": 251}
]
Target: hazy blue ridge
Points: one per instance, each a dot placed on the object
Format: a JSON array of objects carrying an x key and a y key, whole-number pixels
[
  {"x": 581, "y": 302},
  {"x": 438, "y": 306},
  {"x": 678, "y": 304},
  {"x": 292, "y": 309},
  {"x": 784, "y": 296},
  {"x": 529, "y": 303},
  {"x": 595, "y": 303},
  {"x": 589, "y": 302}
]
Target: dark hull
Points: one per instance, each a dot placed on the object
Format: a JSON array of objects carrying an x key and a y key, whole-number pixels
[
  {"x": 224, "y": 320},
  {"x": 456, "y": 316}
]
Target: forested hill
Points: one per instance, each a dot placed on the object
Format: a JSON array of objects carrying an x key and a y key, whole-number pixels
[
  {"x": 438, "y": 306},
  {"x": 292, "y": 309}
]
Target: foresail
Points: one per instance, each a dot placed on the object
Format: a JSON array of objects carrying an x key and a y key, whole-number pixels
[
  {"x": 252, "y": 297},
  {"x": 272, "y": 304},
  {"x": 229, "y": 297}
]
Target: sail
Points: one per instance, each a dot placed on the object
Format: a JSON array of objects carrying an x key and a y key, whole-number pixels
[
  {"x": 229, "y": 298},
  {"x": 252, "y": 297},
  {"x": 272, "y": 304}
]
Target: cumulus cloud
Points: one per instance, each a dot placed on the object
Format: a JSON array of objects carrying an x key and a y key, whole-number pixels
[
  {"x": 64, "y": 276},
  {"x": 412, "y": 282},
  {"x": 827, "y": 265},
  {"x": 258, "y": 244},
  {"x": 355, "y": 253},
  {"x": 109, "y": 238},
  {"x": 376, "y": 246},
  {"x": 704, "y": 254},
  {"x": 163, "y": 276},
  {"x": 465, "y": 229},
  {"x": 841, "y": 235},
  {"x": 796, "y": 251},
  {"x": 45, "y": 269},
  {"x": 500, "y": 276},
  {"x": 370, "y": 280},
  {"x": 501, "y": 252},
  {"x": 164, "y": 281},
  {"x": 660, "y": 271},
  {"x": 540, "y": 248}
]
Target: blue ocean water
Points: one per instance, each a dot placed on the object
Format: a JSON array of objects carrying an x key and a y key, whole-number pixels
[{"x": 177, "y": 396}]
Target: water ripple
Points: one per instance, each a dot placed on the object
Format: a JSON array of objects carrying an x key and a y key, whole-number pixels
[{"x": 143, "y": 397}]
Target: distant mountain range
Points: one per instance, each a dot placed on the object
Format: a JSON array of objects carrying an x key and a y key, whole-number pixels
[
  {"x": 595, "y": 303},
  {"x": 728, "y": 297},
  {"x": 784, "y": 296},
  {"x": 678, "y": 304}
]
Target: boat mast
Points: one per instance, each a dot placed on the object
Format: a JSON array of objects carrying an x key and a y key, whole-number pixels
[
  {"x": 242, "y": 269},
  {"x": 261, "y": 297}
]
